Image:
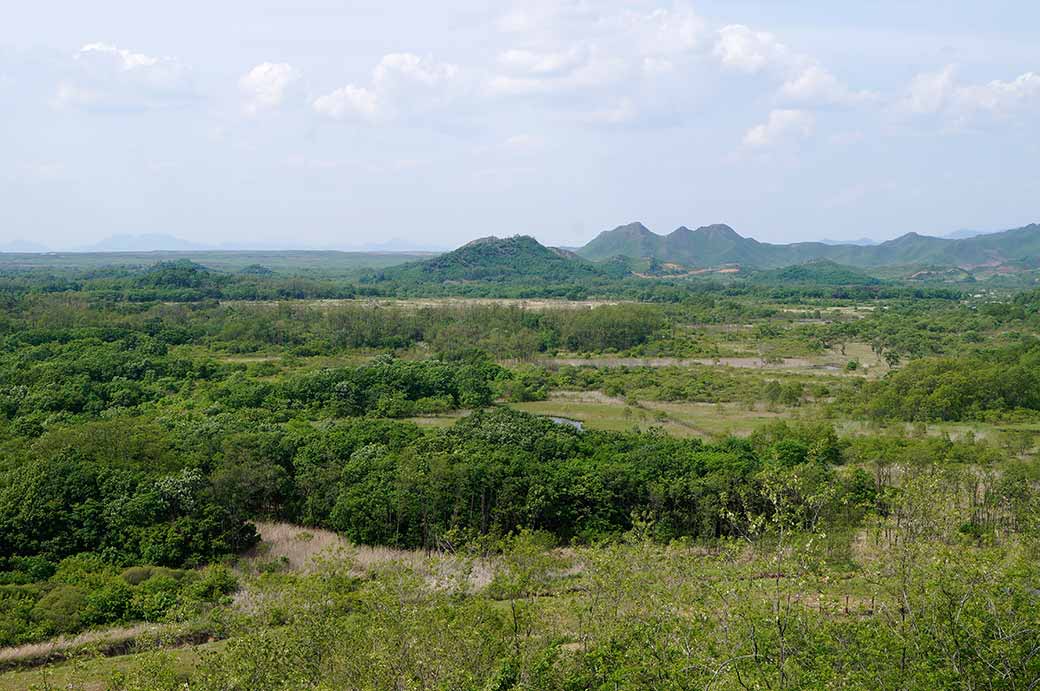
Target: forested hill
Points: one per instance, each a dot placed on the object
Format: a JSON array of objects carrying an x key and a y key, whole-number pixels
[
  {"x": 494, "y": 259},
  {"x": 819, "y": 272},
  {"x": 719, "y": 244}
]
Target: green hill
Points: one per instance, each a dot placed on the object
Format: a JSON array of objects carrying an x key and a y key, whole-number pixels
[
  {"x": 503, "y": 260},
  {"x": 817, "y": 272},
  {"x": 719, "y": 244},
  {"x": 632, "y": 240}
]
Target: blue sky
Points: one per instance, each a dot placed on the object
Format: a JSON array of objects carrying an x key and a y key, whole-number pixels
[{"x": 348, "y": 124}]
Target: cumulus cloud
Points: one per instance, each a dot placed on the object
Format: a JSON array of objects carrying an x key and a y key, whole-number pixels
[
  {"x": 402, "y": 84},
  {"x": 739, "y": 47},
  {"x": 123, "y": 59},
  {"x": 573, "y": 47},
  {"x": 803, "y": 80},
  {"x": 1001, "y": 97},
  {"x": 939, "y": 93},
  {"x": 782, "y": 125},
  {"x": 265, "y": 86},
  {"x": 105, "y": 76},
  {"x": 526, "y": 72},
  {"x": 815, "y": 85},
  {"x": 599, "y": 60},
  {"x": 349, "y": 101},
  {"x": 546, "y": 64},
  {"x": 929, "y": 93},
  {"x": 664, "y": 31}
]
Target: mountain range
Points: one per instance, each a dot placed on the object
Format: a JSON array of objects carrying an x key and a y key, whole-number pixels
[{"x": 719, "y": 244}]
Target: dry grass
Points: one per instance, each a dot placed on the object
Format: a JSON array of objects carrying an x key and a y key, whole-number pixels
[
  {"x": 304, "y": 550},
  {"x": 104, "y": 642},
  {"x": 63, "y": 644},
  {"x": 298, "y": 548}
]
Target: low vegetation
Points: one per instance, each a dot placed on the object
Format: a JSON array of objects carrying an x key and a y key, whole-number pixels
[{"x": 764, "y": 483}]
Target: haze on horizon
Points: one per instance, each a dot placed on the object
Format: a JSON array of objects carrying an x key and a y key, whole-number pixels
[{"x": 349, "y": 124}]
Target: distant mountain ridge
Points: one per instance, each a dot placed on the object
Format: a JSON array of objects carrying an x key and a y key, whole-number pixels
[
  {"x": 719, "y": 244},
  {"x": 147, "y": 242},
  {"x": 162, "y": 242},
  {"x": 22, "y": 246}
]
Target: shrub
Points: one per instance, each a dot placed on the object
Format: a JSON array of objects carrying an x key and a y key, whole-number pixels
[
  {"x": 155, "y": 597},
  {"x": 62, "y": 609},
  {"x": 214, "y": 583},
  {"x": 109, "y": 603}
]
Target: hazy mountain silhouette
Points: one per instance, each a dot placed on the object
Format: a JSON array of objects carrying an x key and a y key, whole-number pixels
[{"x": 719, "y": 244}]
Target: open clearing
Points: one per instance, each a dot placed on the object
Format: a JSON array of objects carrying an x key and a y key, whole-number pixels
[
  {"x": 596, "y": 411},
  {"x": 423, "y": 303}
]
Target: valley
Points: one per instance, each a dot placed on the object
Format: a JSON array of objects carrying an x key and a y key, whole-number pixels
[{"x": 337, "y": 466}]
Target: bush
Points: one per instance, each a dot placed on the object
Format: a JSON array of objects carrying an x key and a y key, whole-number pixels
[
  {"x": 109, "y": 603},
  {"x": 62, "y": 610},
  {"x": 215, "y": 582},
  {"x": 155, "y": 597}
]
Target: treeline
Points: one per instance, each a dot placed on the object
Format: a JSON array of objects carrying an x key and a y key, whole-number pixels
[
  {"x": 988, "y": 385},
  {"x": 186, "y": 281},
  {"x": 179, "y": 490},
  {"x": 505, "y": 331}
]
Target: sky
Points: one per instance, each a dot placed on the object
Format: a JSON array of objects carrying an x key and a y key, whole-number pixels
[{"x": 358, "y": 123}]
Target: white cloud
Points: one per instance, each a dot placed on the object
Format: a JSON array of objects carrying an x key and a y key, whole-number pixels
[
  {"x": 349, "y": 101},
  {"x": 815, "y": 85},
  {"x": 782, "y": 125},
  {"x": 740, "y": 48},
  {"x": 265, "y": 86},
  {"x": 804, "y": 81},
  {"x": 573, "y": 52},
  {"x": 1000, "y": 97},
  {"x": 525, "y": 72},
  {"x": 402, "y": 84},
  {"x": 572, "y": 46},
  {"x": 664, "y": 31},
  {"x": 929, "y": 93},
  {"x": 547, "y": 64},
  {"x": 397, "y": 69},
  {"x": 105, "y": 76},
  {"x": 939, "y": 93},
  {"x": 124, "y": 59}
]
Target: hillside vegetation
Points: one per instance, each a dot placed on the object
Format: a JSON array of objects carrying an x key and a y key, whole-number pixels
[
  {"x": 799, "y": 479},
  {"x": 497, "y": 260}
]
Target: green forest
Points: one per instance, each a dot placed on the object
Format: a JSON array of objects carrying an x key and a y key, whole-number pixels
[{"x": 478, "y": 473}]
